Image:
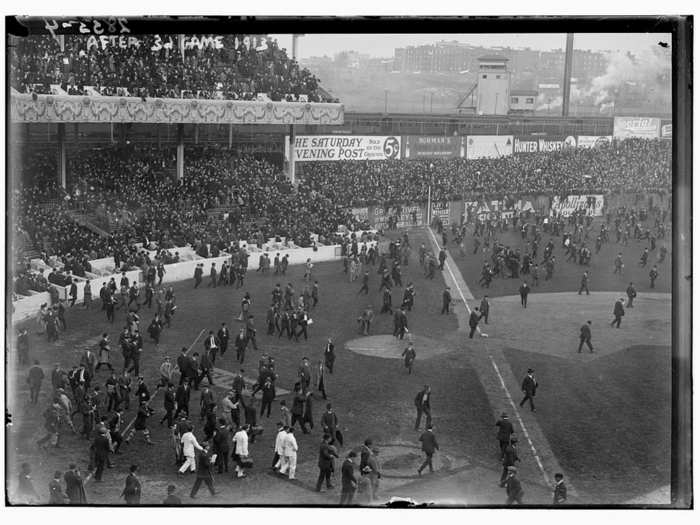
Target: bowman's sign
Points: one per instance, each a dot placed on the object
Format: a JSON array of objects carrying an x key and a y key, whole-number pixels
[
  {"x": 431, "y": 147},
  {"x": 345, "y": 147},
  {"x": 643, "y": 127}
]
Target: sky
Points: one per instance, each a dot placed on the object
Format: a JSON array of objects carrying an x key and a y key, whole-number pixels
[{"x": 382, "y": 45}]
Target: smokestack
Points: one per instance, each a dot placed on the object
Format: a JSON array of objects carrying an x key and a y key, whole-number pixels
[{"x": 568, "y": 60}]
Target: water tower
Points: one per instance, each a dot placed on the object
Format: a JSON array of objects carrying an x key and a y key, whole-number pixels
[{"x": 493, "y": 86}]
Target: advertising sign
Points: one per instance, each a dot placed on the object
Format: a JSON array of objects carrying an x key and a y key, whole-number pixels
[
  {"x": 496, "y": 209},
  {"x": 593, "y": 204},
  {"x": 345, "y": 147},
  {"x": 441, "y": 210},
  {"x": 361, "y": 214},
  {"x": 433, "y": 147},
  {"x": 403, "y": 214},
  {"x": 666, "y": 129},
  {"x": 489, "y": 146},
  {"x": 593, "y": 141},
  {"x": 644, "y": 127},
  {"x": 532, "y": 144}
]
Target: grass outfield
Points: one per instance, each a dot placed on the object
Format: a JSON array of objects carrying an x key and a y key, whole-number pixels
[
  {"x": 608, "y": 420},
  {"x": 567, "y": 275},
  {"x": 373, "y": 397}
]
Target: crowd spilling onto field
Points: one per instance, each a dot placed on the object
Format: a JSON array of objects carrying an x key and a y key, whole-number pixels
[
  {"x": 236, "y": 68},
  {"x": 633, "y": 165},
  {"x": 132, "y": 193}
]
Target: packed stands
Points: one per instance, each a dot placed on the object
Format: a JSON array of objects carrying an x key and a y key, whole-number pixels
[
  {"x": 634, "y": 165},
  {"x": 230, "y": 67}
]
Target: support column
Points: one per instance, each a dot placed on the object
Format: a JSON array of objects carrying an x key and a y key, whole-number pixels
[
  {"x": 568, "y": 65},
  {"x": 180, "y": 165},
  {"x": 61, "y": 172},
  {"x": 292, "y": 156}
]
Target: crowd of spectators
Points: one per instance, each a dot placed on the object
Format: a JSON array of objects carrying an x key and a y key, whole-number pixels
[
  {"x": 225, "y": 197},
  {"x": 239, "y": 68},
  {"x": 632, "y": 165}
]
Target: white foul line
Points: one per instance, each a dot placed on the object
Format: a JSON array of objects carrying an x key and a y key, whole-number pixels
[{"x": 498, "y": 372}]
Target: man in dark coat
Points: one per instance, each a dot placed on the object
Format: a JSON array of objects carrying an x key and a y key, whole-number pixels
[
  {"x": 510, "y": 456},
  {"x": 429, "y": 445},
  {"x": 446, "y": 301},
  {"x": 182, "y": 398},
  {"x": 618, "y": 312},
  {"x": 169, "y": 405},
  {"x": 34, "y": 379},
  {"x": 348, "y": 479},
  {"x": 75, "y": 487},
  {"x": 505, "y": 430},
  {"x": 132, "y": 487},
  {"x": 325, "y": 463},
  {"x": 422, "y": 404},
  {"x": 224, "y": 336},
  {"x": 514, "y": 490},
  {"x": 101, "y": 449},
  {"x": 524, "y": 290},
  {"x": 474, "y": 321},
  {"x": 204, "y": 473},
  {"x": 631, "y": 294},
  {"x": 484, "y": 307},
  {"x": 585, "y": 337},
  {"x": 529, "y": 387},
  {"x": 329, "y": 355},
  {"x": 221, "y": 444},
  {"x": 198, "y": 272}
]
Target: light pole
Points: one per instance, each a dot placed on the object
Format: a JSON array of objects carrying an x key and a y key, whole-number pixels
[{"x": 386, "y": 100}]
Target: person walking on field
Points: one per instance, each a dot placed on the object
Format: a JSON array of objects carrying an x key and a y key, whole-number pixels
[
  {"x": 348, "y": 479},
  {"x": 529, "y": 387},
  {"x": 325, "y": 463},
  {"x": 505, "y": 431},
  {"x": 631, "y": 294},
  {"x": 514, "y": 490},
  {"x": 524, "y": 290},
  {"x": 584, "y": 283},
  {"x": 204, "y": 472},
  {"x": 510, "y": 456},
  {"x": 585, "y": 337},
  {"x": 422, "y": 403},
  {"x": 429, "y": 445},
  {"x": 473, "y": 322},
  {"x": 409, "y": 356},
  {"x": 618, "y": 312}
]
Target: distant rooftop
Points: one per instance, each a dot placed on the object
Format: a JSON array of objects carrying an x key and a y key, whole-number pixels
[{"x": 493, "y": 58}]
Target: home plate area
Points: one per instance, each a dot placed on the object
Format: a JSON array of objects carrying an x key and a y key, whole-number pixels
[{"x": 389, "y": 347}]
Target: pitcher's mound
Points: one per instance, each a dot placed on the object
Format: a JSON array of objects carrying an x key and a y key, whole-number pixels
[{"x": 389, "y": 347}]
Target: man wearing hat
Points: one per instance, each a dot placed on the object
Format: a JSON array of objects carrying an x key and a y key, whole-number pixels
[
  {"x": 172, "y": 499},
  {"x": 429, "y": 446},
  {"x": 409, "y": 356},
  {"x": 446, "y": 301},
  {"x": 75, "y": 486},
  {"x": 585, "y": 337},
  {"x": 348, "y": 479},
  {"x": 529, "y": 387},
  {"x": 618, "y": 312},
  {"x": 514, "y": 490},
  {"x": 474, "y": 321},
  {"x": 198, "y": 272},
  {"x": 132, "y": 487},
  {"x": 101, "y": 449},
  {"x": 505, "y": 430},
  {"x": 510, "y": 456},
  {"x": 204, "y": 472},
  {"x": 422, "y": 403}
]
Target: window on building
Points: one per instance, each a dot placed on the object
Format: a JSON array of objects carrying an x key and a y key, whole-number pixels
[
  {"x": 513, "y": 100},
  {"x": 529, "y": 100},
  {"x": 498, "y": 76},
  {"x": 483, "y": 76}
]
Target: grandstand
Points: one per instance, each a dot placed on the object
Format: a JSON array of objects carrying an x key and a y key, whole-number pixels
[{"x": 136, "y": 152}]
